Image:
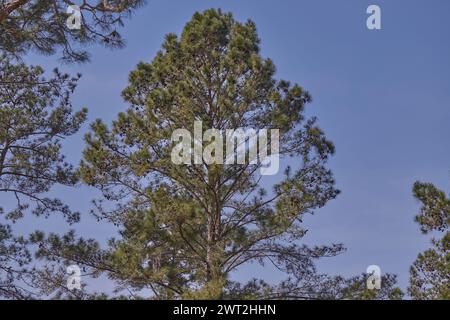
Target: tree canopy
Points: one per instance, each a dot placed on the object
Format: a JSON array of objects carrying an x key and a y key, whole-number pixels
[
  {"x": 184, "y": 229},
  {"x": 430, "y": 273},
  {"x": 36, "y": 114},
  {"x": 42, "y": 26}
]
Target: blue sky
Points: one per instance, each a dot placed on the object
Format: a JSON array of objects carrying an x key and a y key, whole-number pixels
[{"x": 383, "y": 98}]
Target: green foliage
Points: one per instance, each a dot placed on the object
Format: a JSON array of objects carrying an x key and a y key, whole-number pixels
[
  {"x": 35, "y": 115},
  {"x": 435, "y": 211},
  {"x": 184, "y": 229},
  {"x": 317, "y": 286},
  {"x": 14, "y": 256},
  {"x": 430, "y": 273},
  {"x": 41, "y": 26}
]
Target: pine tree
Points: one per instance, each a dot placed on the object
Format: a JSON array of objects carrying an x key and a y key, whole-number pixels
[
  {"x": 188, "y": 227},
  {"x": 42, "y": 26},
  {"x": 430, "y": 273},
  {"x": 36, "y": 115},
  {"x": 185, "y": 228}
]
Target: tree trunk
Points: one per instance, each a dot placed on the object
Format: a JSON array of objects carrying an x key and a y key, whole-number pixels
[{"x": 214, "y": 276}]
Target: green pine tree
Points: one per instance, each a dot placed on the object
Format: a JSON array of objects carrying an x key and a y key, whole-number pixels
[
  {"x": 430, "y": 273},
  {"x": 184, "y": 229},
  {"x": 36, "y": 115}
]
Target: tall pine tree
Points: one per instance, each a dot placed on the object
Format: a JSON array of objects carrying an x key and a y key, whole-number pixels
[{"x": 184, "y": 229}]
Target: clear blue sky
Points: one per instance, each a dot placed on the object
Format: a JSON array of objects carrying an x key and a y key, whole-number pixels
[{"x": 382, "y": 96}]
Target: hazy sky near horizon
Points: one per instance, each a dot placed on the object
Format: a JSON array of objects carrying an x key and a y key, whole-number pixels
[{"x": 383, "y": 98}]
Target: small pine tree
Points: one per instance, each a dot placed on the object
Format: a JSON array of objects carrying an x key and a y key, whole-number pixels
[{"x": 430, "y": 273}]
